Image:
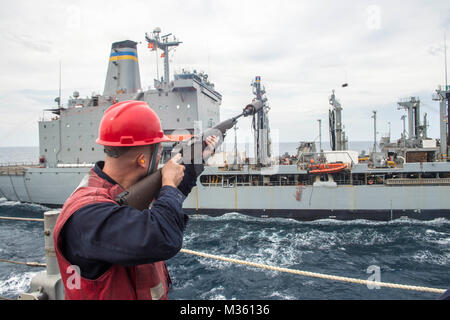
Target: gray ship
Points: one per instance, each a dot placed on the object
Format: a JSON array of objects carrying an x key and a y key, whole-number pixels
[{"x": 405, "y": 178}]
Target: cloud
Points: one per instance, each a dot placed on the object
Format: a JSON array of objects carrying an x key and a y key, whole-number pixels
[
  {"x": 41, "y": 45},
  {"x": 385, "y": 50}
]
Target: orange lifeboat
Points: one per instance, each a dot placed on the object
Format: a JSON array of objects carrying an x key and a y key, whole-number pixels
[{"x": 327, "y": 167}]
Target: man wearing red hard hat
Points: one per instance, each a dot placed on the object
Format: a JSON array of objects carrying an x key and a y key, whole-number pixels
[{"x": 108, "y": 251}]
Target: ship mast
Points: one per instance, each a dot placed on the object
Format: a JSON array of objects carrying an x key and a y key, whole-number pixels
[
  {"x": 156, "y": 42},
  {"x": 403, "y": 118},
  {"x": 320, "y": 134},
  {"x": 374, "y": 116},
  {"x": 445, "y": 59},
  {"x": 235, "y": 146},
  {"x": 335, "y": 118},
  {"x": 261, "y": 127},
  {"x": 59, "y": 95},
  {"x": 443, "y": 96},
  {"x": 413, "y": 107}
]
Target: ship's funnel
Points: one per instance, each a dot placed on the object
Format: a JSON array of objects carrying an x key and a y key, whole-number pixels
[{"x": 123, "y": 69}]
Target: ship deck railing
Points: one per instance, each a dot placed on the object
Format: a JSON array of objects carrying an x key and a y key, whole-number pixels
[
  {"x": 418, "y": 181},
  {"x": 262, "y": 184},
  {"x": 16, "y": 168},
  {"x": 18, "y": 164},
  {"x": 381, "y": 182},
  {"x": 248, "y": 184},
  {"x": 75, "y": 165}
]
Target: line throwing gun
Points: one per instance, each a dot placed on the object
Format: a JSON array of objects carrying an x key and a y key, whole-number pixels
[{"x": 141, "y": 194}]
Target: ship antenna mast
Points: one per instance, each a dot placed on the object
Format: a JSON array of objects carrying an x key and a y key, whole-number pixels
[
  {"x": 235, "y": 145},
  {"x": 59, "y": 96},
  {"x": 374, "y": 116},
  {"x": 320, "y": 134},
  {"x": 163, "y": 43},
  {"x": 261, "y": 126},
  {"x": 445, "y": 59}
]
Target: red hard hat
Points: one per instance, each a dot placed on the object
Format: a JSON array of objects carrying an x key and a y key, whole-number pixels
[{"x": 130, "y": 123}]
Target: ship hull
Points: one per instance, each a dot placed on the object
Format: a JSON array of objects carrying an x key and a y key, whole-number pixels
[
  {"x": 51, "y": 187},
  {"x": 47, "y": 186},
  {"x": 344, "y": 215},
  {"x": 380, "y": 202}
]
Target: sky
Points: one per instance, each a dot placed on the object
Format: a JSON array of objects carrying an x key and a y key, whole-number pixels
[{"x": 384, "y": 50}]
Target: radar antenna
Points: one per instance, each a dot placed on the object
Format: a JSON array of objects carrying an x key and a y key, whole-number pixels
[{"x": 155, "y": 42}]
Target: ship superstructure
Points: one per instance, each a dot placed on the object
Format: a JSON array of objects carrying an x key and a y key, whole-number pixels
[
  {"x": 409, "y": 177},
  {"x": 189, "y": 100}
]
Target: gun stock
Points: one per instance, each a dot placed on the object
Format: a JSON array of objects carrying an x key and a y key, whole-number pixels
[{"x": 141, "y": 194}]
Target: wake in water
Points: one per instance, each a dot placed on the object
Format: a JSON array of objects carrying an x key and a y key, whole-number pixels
[
  {"x": 16, "y": 284},
  {"x": 241, "y": 217},
  {"x": 16, "y": 208}
]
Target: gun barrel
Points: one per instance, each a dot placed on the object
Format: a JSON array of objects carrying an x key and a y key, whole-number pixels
[{"x": 222, "y": 127}]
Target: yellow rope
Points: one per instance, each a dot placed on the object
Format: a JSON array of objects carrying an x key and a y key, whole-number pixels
[
  {"x": 315, "y": 275},
  {"x": 21, "y": 219},
  {"x": 30, "y": 264}
]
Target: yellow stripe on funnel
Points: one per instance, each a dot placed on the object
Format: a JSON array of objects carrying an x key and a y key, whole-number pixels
[{"x": 123, "y": 58}]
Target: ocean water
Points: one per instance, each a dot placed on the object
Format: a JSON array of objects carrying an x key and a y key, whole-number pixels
[
  {"x": 404, "y": 251},
  {"x": 13, "y": 155}
]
